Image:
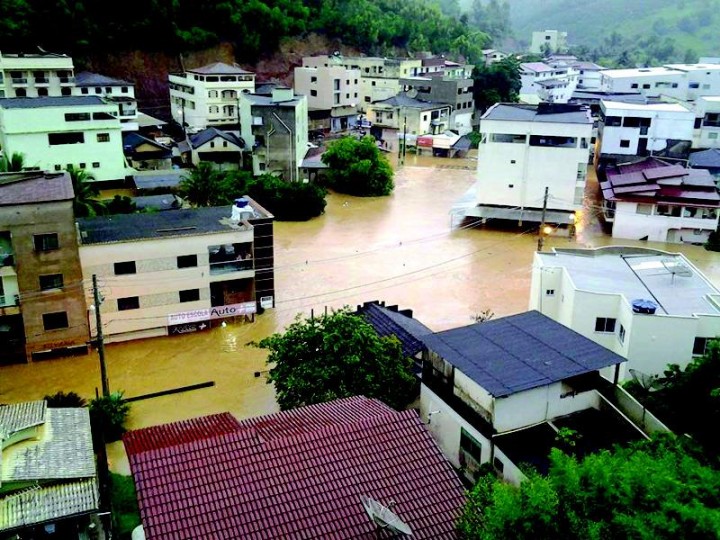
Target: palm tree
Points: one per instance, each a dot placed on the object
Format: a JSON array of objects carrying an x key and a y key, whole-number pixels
[
  {"x": 86, "y": 202},
  {"x": 200, "y": 187},
  {"x": 14, "y": 163}
]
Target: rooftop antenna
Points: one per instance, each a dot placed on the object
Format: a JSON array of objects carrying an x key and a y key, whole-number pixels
[
  {"x": 384, "y": 517},
  {"x": 676, "y": 267},
  {"x": 648, "y": 384}
]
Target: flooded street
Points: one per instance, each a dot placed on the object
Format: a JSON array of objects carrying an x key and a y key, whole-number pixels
[{"x": 400, "y": 249}]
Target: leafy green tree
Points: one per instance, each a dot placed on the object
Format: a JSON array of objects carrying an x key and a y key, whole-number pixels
[
  {"x": 86, "y": 203},
  {"x": 713, "y": 241},
  {"x": 357, "y": 167},
  {"x": 121, "y": 205},
  {"x": 499, "y": 82},
  {"x": 650, "y": 490},
  {"x": 335, "y": 356},
  {"x": 108, "y": 416},
  {"x": 61, "y": 400},
  {"x": 200, "y": 187},
  {"x": 13, "y": 163}
]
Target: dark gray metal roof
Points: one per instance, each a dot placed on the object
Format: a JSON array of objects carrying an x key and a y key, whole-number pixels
[
  {"x": 509, "y": 355},
  {"x": 87, "y": 78},
  {"x": 402, "y": 100},
  {"x": 131, "y": 227},
  {"x": 161, "y": 179},
  {"x": 220, "y": 68},
  {"x": 706, "y": 159},
  {"x": 548, "y": 112},
  {"x": 207, "y": 135},
  {"x": 57, "y": 101},
  {"x": 387, "y": 322}
]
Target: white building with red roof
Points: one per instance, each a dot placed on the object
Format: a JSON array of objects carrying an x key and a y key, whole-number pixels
[
  {"x": 295, "y": 474},
  {"x": 658, "y": 201}
]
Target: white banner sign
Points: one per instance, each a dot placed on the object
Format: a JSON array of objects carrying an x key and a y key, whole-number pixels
[{"x": 219, "y": 312}]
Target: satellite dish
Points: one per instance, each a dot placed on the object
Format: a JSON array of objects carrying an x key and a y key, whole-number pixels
[
  {"x": 649, "y": 383},
  {"x": 412, "y": 93},
  {"x": 676, "y": 267},
  {"x": 383, "y": 517}
]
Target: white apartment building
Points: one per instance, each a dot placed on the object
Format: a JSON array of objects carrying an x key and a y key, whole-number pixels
[
  {"x": 525, "y": 149},
  {"x": 55, "y": 132},
  {"x": 649, "y": 306},
  {"x": 36, "y": 75},
  {"x": 332, "y": 94},
  {"x": 707, "y": 122},
  {"x": 276, "y": 128},
  {"x": 493, "y": 56},
  {"x": 412, "y": 116},
  {"x": 684, "y": 82},
  {"x": 636, "y": 129},
  {"x": 208, "y": 96},
  {"x": 549, "y": 40},
  {"x": 659, "y": 201},
  {"x": 589, "y": 75},
  {"x": 545, "y": 82},
  {"x": 178, "y": 271},
  {"x": 112, "y": 90}
]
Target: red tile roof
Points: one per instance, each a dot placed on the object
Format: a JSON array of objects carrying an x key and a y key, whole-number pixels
[{"x": 295, "y": 474}]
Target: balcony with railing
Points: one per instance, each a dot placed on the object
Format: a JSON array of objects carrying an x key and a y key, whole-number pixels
[
  {"x": 230, "y": 258},
  {"x": 67, "y": 80},
  {"x": 19, "y": 81},
  {"x": 9, "y": 300},
  {"x": 41, "y": 81}
]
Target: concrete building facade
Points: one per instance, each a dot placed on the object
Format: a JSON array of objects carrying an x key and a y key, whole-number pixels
[
  {"x": 456, "y": 92},
  {"x": 552, "y": 41},
  {"x": 42, "y": 301},
  {"x": 113, "y": 91},
  {"x": 36, "y": 75},
  {"x": 332, "y": 95}
]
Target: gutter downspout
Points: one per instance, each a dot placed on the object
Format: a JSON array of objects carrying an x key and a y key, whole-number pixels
[{"x": 292, "y": 144}]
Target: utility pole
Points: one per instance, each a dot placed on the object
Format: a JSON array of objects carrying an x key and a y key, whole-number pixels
[
  {"x": 541, "y": 237},
  {"x": 404, "y": 137},
  {"x": 99, "y": 338}
]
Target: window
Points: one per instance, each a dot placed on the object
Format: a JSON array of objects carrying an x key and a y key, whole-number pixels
[
  {"x": 96, "y": 164},
  {"x": 58, "y": 167},
  {"x": 212, "y": 94},
  {"x": 313, "y": 79},
  {"x": 553, "y": 141},
  {"x": 508, "y": 138},
  {"x": 77, "y": 117},
  {"x": 42, "y": 92},
  {"x": 108, "y": 90},
  {"x": 20, "y": 92},
  {"x": 613, "y": 121},
  {"x": 127, "y": 303},
  {"x": 646, "y": 86},
  {"x": 367, "y": 99},
  {"x": 103, "y": 137},
  {"x": 499, "y": 465},
  {"x": 605, "y": 324},
  {"x": 212, "y": 144},
  {"x": 644, "y": 209},
  {"x": 549, "y": 292},
  {"x": 624, "y": 143},
  {"x": 84, "y": 91},
  {"x": 83, "y": 166},
  {"x": 700, "y": 345},
  {"x": 72, "y": 137},
  {"x": 46, "y": 242},
  {"x": 713, "y": 135},
  {"x": 694, "y": 85},
  {"x": 225, "y": 144},
  {"x": 313, "y": 93},
  {"x": 51, "y": 281},
  {"x": 124, "y": 89},
  {"x": 102, "y": 116},
  {"x": 55, "y": 321},
  {"x": 65, "y": 91},
  {"x": 127, "y": 267},
  {"x": 189, "y": 295},
  {"x": 187, "y": 261},
  {"x": 621, "y": 334},
  {"x": 583, "y": 142},
  {"x": 470, "y": 447}
]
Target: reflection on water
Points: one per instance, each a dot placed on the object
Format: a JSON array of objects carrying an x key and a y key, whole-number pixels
[{"x": 400, "y": 249}]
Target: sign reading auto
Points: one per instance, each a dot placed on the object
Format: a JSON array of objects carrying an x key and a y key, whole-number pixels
[{"x": 219, "y": 312}]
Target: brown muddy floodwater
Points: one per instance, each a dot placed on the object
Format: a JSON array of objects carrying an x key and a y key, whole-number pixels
[{"x": 400, "y": 249}]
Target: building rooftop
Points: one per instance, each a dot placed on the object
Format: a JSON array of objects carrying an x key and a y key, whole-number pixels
[
  {"x": 654, "y": 181},
  {"x": 257, "y": 100},
  {"x": 220, "y": 68},
  {"x": 20, "y": 416},
  {"x": 167, "y": 201},
  {"x": 598, "y": 95},
  {"x": 86, "y": 78},
  {"x": 389, "y": 321},
  {"x": 640, "y": 72},
  {"x": 183, "y": 222},
  {"x": 668, "y": 279},
  {"x": 57, "y": 101},
  {"x": 544, "y": 112},
  {"x": 649, "y": 107},
  {"x": 208, "y": 134},
  {"x": 403, "y": 100},
  {"x": 537, "y": 67},
  {"x": 161, "y": 179},
  {"x": 517, "y": 353},
  {"x": 694, "y": 67},
  {"x": 31, "y": 187},
  {"x": 706, "y": 158},
  {"x": 294, "y": 474}
]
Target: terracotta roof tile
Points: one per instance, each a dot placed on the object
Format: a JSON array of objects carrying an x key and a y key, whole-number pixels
[{"x": 295, "y": 474}]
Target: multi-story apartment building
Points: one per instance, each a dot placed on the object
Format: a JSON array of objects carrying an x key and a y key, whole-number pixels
[
  {"x": 707, "y": 122},
  {"x": 437, "y": 87},
  {"x": 276, "y": 128},
  {"x": 684, "y": 82},
  {"x": 42, "y": 299},
  {"x": 403, "y": 114},
  {"x": 113, "y": 91},
  {"x": 649, "y": 306},
  {"x": 178, "y": 271},
  {"x": 332, "y": 95},
  {"x": 643, "y": 200},
  {"x": 638, "y": 129},
  {"x": 525, "y": 150},
  {"x": 36, "y": 75},
  {"x": 545, "y": 82},
  {"x": 208, "y": 96},
  {"x": 54, "y": 132},
  {"x": 550, "y": 41}
]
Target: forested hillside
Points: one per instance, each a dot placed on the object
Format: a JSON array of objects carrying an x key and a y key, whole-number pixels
[
  {"x": 674, "y": 29},
  {"x": 254, "y": 27}
]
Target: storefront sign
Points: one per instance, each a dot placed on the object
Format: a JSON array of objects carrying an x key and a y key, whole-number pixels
[
  {"x": 425, "y": 141},
  {"x": 187, "y": 328},
  {"x": 218, "y": 312}
]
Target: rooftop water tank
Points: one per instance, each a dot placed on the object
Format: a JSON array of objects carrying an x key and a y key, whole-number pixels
[{"x": 644, "y": 306}]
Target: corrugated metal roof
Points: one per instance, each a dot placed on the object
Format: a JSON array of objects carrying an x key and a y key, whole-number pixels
[
  {"x": 48, "y": 503},
  {"x": 706, "y": 158},
  {"x": 299, "y": 474},
  {"x": 512, "y": 354},
  {"x": 57, "y": 101},
  {"x": 86, "y": 78},
  {"x": 391, "y": 323},
  {"x": 549, "y": 112},
  {"x": 207, "y": 135},
  {"x": 18, "y": 416}
]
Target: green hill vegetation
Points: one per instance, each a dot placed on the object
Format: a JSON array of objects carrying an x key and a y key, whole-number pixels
[{"x": 664, "y": 30}]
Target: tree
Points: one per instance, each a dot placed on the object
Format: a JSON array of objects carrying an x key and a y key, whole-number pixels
[
  {"x": 335, "y": 356},
  {"x": 108, "y": 415},
  {"x": 86, "y": 203},
  {"x": 61, "y": 400},
  {"x": 121, "y": 205},
  {"x": 13, "y": 163},
  {"x": 357, "y": 167},
  {"x": 201, "y": 186},
  {"x": 652, "y": 489},
  {"x": 499, "y": 82}
]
